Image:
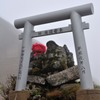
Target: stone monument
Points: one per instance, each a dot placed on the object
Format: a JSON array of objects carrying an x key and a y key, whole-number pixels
[{"x": 52, "y": 71}]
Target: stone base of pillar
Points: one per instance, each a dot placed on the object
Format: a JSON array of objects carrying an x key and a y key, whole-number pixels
[
  {"x": 19, "y": 95},
  {"x": 88, "y": 95}
]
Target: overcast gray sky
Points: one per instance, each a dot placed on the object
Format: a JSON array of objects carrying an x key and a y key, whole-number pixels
[{"x": 14, "y": 9}]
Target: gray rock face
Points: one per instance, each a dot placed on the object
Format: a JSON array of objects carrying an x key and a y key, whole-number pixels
[
  {"x": 57, "y": 78},
  {"x": 54, "y": 67},
  {"x": 70, "y": 59},
  {"x": 55, "y": 59},
  {"x": 63, "y": 76},
  {"x": 56, "y": 56},
  {"x": 36, "y": 79}
]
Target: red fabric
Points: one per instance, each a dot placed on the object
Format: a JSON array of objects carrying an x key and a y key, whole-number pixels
[{"x": 38, "y": 48}]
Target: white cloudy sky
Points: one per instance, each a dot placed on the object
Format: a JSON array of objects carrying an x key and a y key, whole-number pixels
[{"x": 14, "y": 9}]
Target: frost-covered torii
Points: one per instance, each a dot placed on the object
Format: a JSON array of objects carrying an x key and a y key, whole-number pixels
[{"x": 76, "y": 27}]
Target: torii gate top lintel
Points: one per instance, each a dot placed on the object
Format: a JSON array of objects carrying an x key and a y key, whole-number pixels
[{"x": 64, "y": 14}]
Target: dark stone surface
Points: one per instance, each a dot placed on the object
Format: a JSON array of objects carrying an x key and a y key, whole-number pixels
[
  {"x": 55, "y": 59},
  {"x": 36, "y": 79},
  {"x": 56, "y": 79},
  {"x": 63, "y": 76},
  {"x": 50, "y": 74}
]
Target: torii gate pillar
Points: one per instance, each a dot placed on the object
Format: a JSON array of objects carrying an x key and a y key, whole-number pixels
[
  {"x": 81, "y": 52},
  {"x": 25, "y": 57}
]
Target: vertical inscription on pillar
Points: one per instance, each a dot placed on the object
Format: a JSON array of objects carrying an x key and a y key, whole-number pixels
[
  {"x": 81, "y": 60},
  {"x": 20, "y": 64}
]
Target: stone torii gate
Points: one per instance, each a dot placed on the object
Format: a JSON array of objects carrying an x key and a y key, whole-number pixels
[{"x": 76, "y": 27}]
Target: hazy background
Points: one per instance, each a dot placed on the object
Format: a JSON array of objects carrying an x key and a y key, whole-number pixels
[{"x": 14, "y": 9}]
